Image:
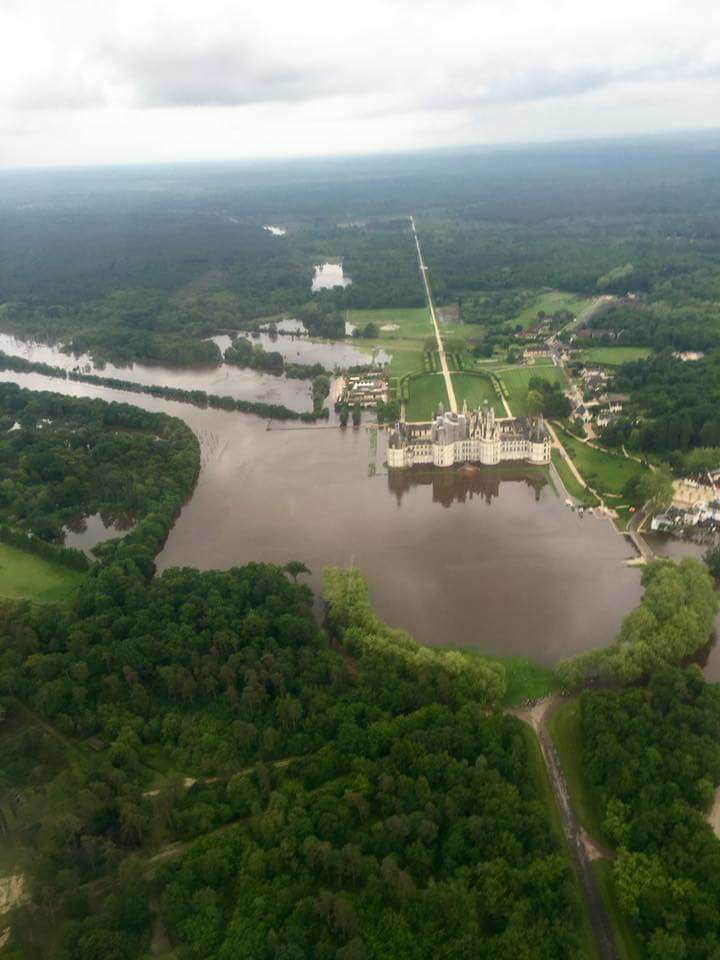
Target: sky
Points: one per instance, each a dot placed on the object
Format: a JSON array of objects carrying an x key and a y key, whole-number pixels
[{"x": 86, "y": 82}]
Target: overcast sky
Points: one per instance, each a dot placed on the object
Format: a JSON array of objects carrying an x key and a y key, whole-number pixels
[{"x": 99, "y": 81}]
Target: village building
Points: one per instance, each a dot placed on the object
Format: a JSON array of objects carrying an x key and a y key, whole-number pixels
[
  {"x": 365, "y": 389},
  {"x": 469, "y": 437}
]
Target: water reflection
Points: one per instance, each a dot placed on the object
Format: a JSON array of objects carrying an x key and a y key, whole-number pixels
[
  {"x": 509, "y": 569},
  {"x": 328, "y": 275},
  {"x": 225, "y": 380},
  {"x": 332, "y": 355},
  {"x": 461, "y": 485},
  {"x": 87, "y": 530}
]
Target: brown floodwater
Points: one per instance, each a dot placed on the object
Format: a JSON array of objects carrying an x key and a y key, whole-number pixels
[
  {"x": 332, "y": 354},
  {"x": 87, "y": 530},
  {"x": 224, "y": 380},
  {"x": 472, "y": 558}
]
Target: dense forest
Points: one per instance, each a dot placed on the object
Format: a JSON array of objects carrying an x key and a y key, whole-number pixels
[
  {"x": 373, "y": 795},
  {"x": 63, "y": 457},
  {"x": 140, "y": 264},
  {"x": 673, "y": 409},
  {"x": 651, "y": 757}
]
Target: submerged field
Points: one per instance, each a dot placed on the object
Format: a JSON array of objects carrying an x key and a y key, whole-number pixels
[{"x": 24, "y": 576}]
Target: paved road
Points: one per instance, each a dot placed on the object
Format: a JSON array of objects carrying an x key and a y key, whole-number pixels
[
  {"x": 431, "y": 307},
  {"x": 576, "y": 837}
]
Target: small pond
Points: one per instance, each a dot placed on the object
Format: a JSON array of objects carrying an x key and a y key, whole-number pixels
[
  {"x": 328, "y": 275},
  {"x": 87, "y": 530}
]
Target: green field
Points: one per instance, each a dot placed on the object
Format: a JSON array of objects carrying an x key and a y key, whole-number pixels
[
  {"x": 412, "y": 322},
  {"x": 516, "y": 379},
  {"x": 614, "y": 356},
  {"x": 426, "y": 391},
  {"x": 551, "y": 301},
  {"x": 604, "y": 471},
  {"x": 570, "y": 482},
  {"x": 23, "y": 576},
  {"x": 476, "y": 387}
]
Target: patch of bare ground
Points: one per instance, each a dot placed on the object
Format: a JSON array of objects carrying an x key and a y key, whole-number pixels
[{"x": 714, "y": 814}]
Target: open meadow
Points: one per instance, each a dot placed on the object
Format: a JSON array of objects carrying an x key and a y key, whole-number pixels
[
  {"x": 403, "y": 322},
  {"x": 23, "y": 576},
  {"x": 517, "y": 379},
  {"x": 614, "y": 356}
]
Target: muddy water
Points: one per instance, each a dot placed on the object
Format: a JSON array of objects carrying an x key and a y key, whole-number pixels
[
  {"x": 331, "y": 354},
  {"x": 224, "y": 380},
  {"x": 85, "y": 532},
  {"x": 467, "y": 558}
]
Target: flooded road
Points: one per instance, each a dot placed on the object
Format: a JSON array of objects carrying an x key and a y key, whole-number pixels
[{"x": 487, "y": 559}]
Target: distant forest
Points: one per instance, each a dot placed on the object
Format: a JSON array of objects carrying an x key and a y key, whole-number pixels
[{"x": 142, "y": 263}]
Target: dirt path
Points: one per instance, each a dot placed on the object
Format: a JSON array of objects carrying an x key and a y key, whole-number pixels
[
  {"x": 583, "y": 849},
  {"x": 441, "y": 349}
]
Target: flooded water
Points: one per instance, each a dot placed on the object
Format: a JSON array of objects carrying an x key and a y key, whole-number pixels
[
  {"x": 225, "y": 380},
  {"x": 333, "y": 355},
  {"x": 85, "y": 532},
  {"x": 328, "y": 275},
  {"x": 468, "y": 558}
]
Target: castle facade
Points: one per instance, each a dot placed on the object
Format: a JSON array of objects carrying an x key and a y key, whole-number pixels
[{"x": 475, "y": 437}]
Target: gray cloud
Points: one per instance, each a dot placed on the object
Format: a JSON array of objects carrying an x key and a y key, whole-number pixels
[{"x": 283, "y": 77}]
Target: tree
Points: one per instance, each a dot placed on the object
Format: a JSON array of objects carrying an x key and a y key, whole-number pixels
[
  {"x": 712, "y": 561},
  {"x": 295, "y": 568},
  {"x": 536, "y": 402},
  {"x": 356, "y": 415},
  {"x": 656, "y": 489}
]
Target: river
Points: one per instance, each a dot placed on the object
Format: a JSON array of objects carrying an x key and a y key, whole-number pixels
[{"x": 470, "y": 558}]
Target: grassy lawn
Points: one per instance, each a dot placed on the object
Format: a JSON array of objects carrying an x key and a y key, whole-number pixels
[
  {"x": 527, "y": 680},
  {"x": 516, "y": 380},
  {"x": 23, "y": 576},
  {"x": 413, "y": 322},
  {"x": 551, "y": 301},
  {"x": 565, "y": 731},
  {"x": 476, "y": 387},
  {"x": 426, "y": 391},
  {"x": 606, "y": 472},
  {"x": 625, "y": 939},
  {"x": 570, "y": 482},
  {"x": 614, "y": 356}
]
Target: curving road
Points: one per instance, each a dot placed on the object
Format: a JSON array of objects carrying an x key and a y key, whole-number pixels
[{"x": 441, "y": 349}]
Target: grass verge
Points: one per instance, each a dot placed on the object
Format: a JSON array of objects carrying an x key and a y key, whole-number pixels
[
  {"x": 625, "y": 939},
  {"x": 605, "y": 471},
  {"x": 570, "y": 481},
  {"x": 538, "y": 773},
  {"x": 565, "y": 731}
]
